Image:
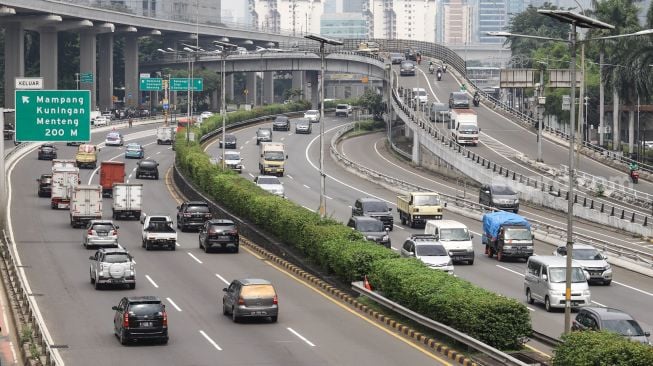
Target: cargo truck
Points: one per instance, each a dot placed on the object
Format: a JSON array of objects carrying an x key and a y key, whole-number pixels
[
  {"x": 507, "y": 234},
  {"x": 86, "y": 156},
  {"x": 417, "y": 207},
  {"x": 127, "y": 200},
  {"x": 63, "y": 179},
  {"x": 85, "y": 204},
  {"x": 464, "y": 126},
  {"x": 69, "y": 163},
  {"x": 165, "y": 135},
  {"x": 111, "y": 172},
  {"x": 273, "y": 159}
]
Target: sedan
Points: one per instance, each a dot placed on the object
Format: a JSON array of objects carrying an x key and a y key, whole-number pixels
[
  {"x": 233, "y": 160},
  {"x": 47, "y": 152},
  {"x": 134, "y": 150},
  {"x": 303, "y": 126},
  {"x": 312, "y": 115},
  {"x": 114, "y": 138},
  {"x": 270, "y": 184}
]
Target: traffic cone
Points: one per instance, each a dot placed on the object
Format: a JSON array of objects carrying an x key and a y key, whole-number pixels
[{"x": 366, "y": 283}]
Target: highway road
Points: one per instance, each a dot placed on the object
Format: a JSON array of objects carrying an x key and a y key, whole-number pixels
[
  {"x": 312, "y": 329},
  {"x": 629, "y": 291}
]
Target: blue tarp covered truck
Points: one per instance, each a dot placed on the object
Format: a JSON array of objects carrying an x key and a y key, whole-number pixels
[{"x": 507, "y": 235}]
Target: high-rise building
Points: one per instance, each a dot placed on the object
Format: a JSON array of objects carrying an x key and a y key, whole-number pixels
[
  {"x": 201, "y": 11},
  {"x": 294, "y": 16},
  {"x": 402, "y": 19},
  {"x": 343, "y": 25},
  {"x": 352, "y": 6},
  {"x": 492, "y": 17},
  {"x": 457, "y": 24}
]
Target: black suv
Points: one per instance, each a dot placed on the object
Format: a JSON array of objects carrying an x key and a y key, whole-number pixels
[
  {"x": 281, "y": 123},
  {"x": 499, "y": 196},
  {"x": 230, "y": 141},
  {"x": 372, "y": 229},
  {"x": 47, "y": 152},
  {"x": 263, "y": 134},
  {"x": 44, "y": 185},
  {"x": 220, "y": 233},
  {"x": 374, "y": 208},
  {"x": 192, "y": 214},
  {"x": 147, "y": 168},
  {"x": 140, "y": 318}
]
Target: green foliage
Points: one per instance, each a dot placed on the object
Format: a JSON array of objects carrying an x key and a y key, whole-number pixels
[
  {"x": 293, "y": 93},
  {"x": 601, "y": 349},
  {"x": 372, "y": 101}
]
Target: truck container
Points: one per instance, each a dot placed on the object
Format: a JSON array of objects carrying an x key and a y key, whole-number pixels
[
  {"x": 111, "y": 172},
  {"x": 165, "y": 135},
  {"x": 464, "y": 126},
  {"x": 69, "y": 163},
  {"x": 63, "y": 179},
  {"x": 507, "y": 234},
  {"x": 417, "y": 207},
  {"x": 85, "y": 204},
  {"x": 127, "y": 200}
]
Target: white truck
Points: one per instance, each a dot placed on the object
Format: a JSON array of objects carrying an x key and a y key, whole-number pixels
[
  {"x": 464, "y": 126},
  {"x": 85, "y": 204},
  {"x": 158, "y": 232},
  {"x": 63, "y": 179},
  {"x": 57, "y": 163},
  {"x": 127, "y": 200},
  {"x": 165, "y": 135}
]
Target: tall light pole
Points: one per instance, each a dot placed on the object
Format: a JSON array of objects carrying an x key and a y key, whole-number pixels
[
  {"x": 333, "y": 42},
  {"x": 226, "y": 47}
]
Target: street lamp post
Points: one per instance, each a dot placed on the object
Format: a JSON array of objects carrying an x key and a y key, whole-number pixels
[
  {"x": 223, "y": 111},
  {"x": 333, "y": 42}
]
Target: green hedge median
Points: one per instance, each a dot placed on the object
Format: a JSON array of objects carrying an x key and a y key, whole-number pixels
[
  {"x": 601, "y": 349},
  {"x": 491, "y": 318}
]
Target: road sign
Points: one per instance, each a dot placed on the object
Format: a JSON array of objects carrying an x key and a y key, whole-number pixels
[
  {"x": 144, "y": 75},
  {"x": 29, "y": 83},
  {"x": 166, "y": 104},
  {"x": 53, "y": 115},
  {"x": 86, "y": 77},
  {"x": 566, "y": 103},
  {"x": 151, "y": 84},
  {"x": 181, "y": 84}
]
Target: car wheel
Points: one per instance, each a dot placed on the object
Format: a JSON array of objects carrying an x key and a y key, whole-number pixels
[
  {"x": 132, "y": 286},
  {"x": 147, "y": 245},
  {"x": 500, "y": 255},
  {"x": 470, "y": 262},
  {"x": 164, "y": 340},
  {"x": 123, "y": 339},
  {"x": 200, "y": 242},
  {"x": 489, "y": 251},
  {"x": 233, "y": 316},
  {"x": 274, "y": 319},
  {"x": 97, "y": 285},
  {"x": 547, "y": 304},
  {"x": 529, "y": 297},
  {"x": 224, "y": 310},
  {"x": 156, "y": 177},
  {"x": 607, "y": 283},
  {"x": 236, "y": 249},
  {"x": 206, "y": 248},
  {"x": 173, "y": 247},
  {"x": 90, "y": 274}
]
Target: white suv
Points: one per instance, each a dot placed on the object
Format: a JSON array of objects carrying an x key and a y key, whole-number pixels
[
  {"x": 594, "y": 263},
  {"x": 343, "y": 110},
  {"x": 112, "y": 266},
  {"x": 312, "y": 115}
]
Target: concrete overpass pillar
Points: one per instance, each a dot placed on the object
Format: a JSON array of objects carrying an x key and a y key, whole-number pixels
[
  {"x": 48, "y": 57},
  {"x": 416, "y": 148},
  {"x": 298, "y": 82},
  {"x": 229, "y": 86},
  {"x": 131, "y": 70},
  {"x": 311, "y": 90},
  {"x": 407, "y": 131},
  {"x": 14, "y": 60},
  {"x": 215, "y": 104},
  {"x": 268, "y": 87},
  {"x": 87, "y": 61},
  {"x": 105, "y": 74},
  {"x": 251, "y": 98}
]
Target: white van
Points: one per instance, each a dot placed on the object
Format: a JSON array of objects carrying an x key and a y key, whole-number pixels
[
  {"x": 455, "y": 238},
  {"x": 544, "y": 281}
]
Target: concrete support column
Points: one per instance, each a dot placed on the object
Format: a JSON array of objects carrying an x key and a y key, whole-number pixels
[
  {"x": 87, "y": 62},
  {"x": 229, "y": 86},
  {"x": 312, "y": 92},
  {"x": 14, "y": 61},
  {"x": 131, "y": 70},
  {"x": 250, "y": 83},
  {"x": 298, "y": 82},
  {"x": 268, "y": 87},
  {"x": 215, "y": 104},
  {"x": 105, "y": 72},
  {"x": 416, "y": 148},
  {"x": 48, "y": 48}
]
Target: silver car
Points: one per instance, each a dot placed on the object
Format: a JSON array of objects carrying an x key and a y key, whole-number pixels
[
  {"x": 112, "y": 266},
  {"x": 100, "y": 233},
  {"x": 250, "y": 298},
  {"x": 303, "y": 126},
  {"x": 233, "y": 160},
  {"x": 271, "y": 184},
  {"x": 594, "y": 263}
]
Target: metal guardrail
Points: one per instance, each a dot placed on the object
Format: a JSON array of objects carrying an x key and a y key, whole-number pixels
[{"x": 495, "y": 354}]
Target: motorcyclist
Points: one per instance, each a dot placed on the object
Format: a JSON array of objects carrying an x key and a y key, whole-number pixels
[
  {"x": 431, "y": 69},
  {"x": 477, "y": 98},
  {"x": 633, "y": 167},
  {"x": 439, "y": 73}
]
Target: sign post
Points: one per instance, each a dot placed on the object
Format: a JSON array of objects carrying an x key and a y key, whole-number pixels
[
  {"x": 181, "y": 84},
  {"x": 53, "y": 115}
]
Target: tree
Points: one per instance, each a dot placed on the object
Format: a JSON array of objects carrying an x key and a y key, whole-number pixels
[
  {"x": 292, "y": 93},
  {"x": 373, "y": 102}
]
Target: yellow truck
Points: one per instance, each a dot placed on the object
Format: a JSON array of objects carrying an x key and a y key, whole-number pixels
[
  {"x": 417, "y": 207},
  {"x": 86, "y": 156},
  {"x": 369, "y": 47},
  {"x": 273, "y": 158}
]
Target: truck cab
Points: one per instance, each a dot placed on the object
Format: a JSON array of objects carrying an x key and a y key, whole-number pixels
[
  {"x": 464, "y": 126},
  {"x": 507, "y": 235},
  {"x": 416, "y": 208},
  {"x": 86, "y": 156},
  {"x": 158, "y": 232},
  {"x": 273, "y": 158}
]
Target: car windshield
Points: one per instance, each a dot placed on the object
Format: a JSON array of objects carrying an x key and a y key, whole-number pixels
[
  {"x": 457, "y": 234},
  {"x": 517, "y": 234},
  {"x": 375, "y": 207},
  {"x": 230, "y": 138},
  {"x": 467, "y": 128},
  {"x": 257, "y": 291},
  {"x": 503, "y": 190},
  {"x": 274, "y": 155},
  {"x": 422, "y": 93},
  {"x": 370, "y": 226},
  {"x": 426, "y": 200},
  {"x": 264, "y": 132},
  {"x": 625, "y": 327},
  {"x": 587, "y": 254},
  {"x": 341, "y": 106},
  {"x": 198, "y": 208},
  {"x": 232, "y": 156},
  {"x": 133, "y": 147},
  {"x": 557, "y": 275},
  {"x": 281, "y": 119},
  {"x": 102, "y": 227},
  {"x": 146, "y": 309},
  {"x": 268, "y": 180},
  {"x": 396, "y": 55},
  {"x": 117, "y": 258},
  {"x": 311, "y": 113},
  {"x": 430, "y": 250}
]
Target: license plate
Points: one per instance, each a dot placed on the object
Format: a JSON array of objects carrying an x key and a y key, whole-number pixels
[
  {"x": 62, "y": 205},
  {"x": 457, "y": 258},
  {"x": 146, "y": 324},
  {"x": 260, "y": 313},
  {"x": 102, "y": 234},
  {"x": 224, "y": 237}
]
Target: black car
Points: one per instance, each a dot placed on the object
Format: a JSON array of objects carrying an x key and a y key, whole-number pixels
[
  {"x": 410, "y": 54},
  {"x": 147, "y": 168},
  {"x": 372, "y": 229},
  {"x": 281, "y": 123},
  {"x": 230, "y": 141},
  {"x": 396, "y": 58},
  {"x": 47, "y": 152},
  {"x": 500, "y": 196},
  {"x": 44, "y": 185},
  {"x": 407, "y": 68},
  {"x": 219, "y": 233},
  {"x": 374, "y": 208},
  {"x": 140, "y": 318},
  {"x": 192, "y": 214},
  {"x": 263, "y": 135}
]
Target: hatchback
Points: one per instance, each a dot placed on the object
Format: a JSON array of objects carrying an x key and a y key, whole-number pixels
[
  {"x": 44, "y": 185},
  {"x": 250, "y": 298},
  {"x": 135, "y": 151},
  {"x": 281, "y": 123},
  {"x": 407, "y": 68},
  {"x": 47, "y": 152},
  {"x": 219, "y": 233},
  {"x": 312, "y": 115},
  {"x": 100, "y": 233},
  {"x": 230, "y": 141},
  {"x": 303, "y": 126},
  {"x": 612, "y": 320},
  {"x": 140, "y": 318}
]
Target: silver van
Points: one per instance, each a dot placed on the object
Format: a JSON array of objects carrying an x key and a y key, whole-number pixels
[
  {"x": 544, "y": 281},
  {"x": 435, "y": 112}
]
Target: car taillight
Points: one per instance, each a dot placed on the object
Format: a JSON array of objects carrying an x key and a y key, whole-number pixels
[
  {"x": 186, "y": 214},
  {"x": 165, "y": 319},
  {"x": 241, "y": 301},
  {"x": 125, "y": 320},
  {"x": 90, "y": 232},
  {"x": 275, "y": 301},
  {"x": 114, "y": 232},
  {"x": 232, "y": 232}
]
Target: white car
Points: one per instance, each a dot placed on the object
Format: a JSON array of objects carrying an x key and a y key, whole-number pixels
[
  {"x": 114, "y": 138},
  {"x": 112, "y": 266},
  {"x": 101, "y": 121},
  {"x": 425, "y": 248},
  {"x": 233, "y": 160},
  {"x": 420, "y": 95},
  {"x": 271, "y": 184},
  {"x": 594, "y": 263},
  {"x": 312, "y": 115},
  {"x": 206, "y": 114}
]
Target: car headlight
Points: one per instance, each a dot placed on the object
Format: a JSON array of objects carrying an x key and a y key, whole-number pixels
[
  {"x": 385, "y": 238},
  {"x": 586, "y": 292},
  {"x": 507, "y": 247},
  {"x": 608, "y": 267},
  {"x": 450, "y": 263}
]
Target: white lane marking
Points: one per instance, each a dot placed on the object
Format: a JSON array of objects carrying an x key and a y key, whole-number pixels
[
  {"x": 599, "y": 304},
  {"x": 210, "y": 340},
  {"x": 395, "y": 249},
  {"x": 633, "y": 288},
  {"x": 398, "y": 227},
  {"x": 129, "y": 177},
  {"x": 195, "y": 258},
  {"x": 349, "y": 206},
  {"x": 327, "y": 197},
  {"x": 222, "y": 279},
  {"x": 242, "y": 147},
  {"x": 429, "y": 84},
  {"x": 251, "y": 175},
  {"x": 301, "y": 337},
  {"x": 283, "y": 138},
  {"x": 247, "y": 142},
  {"x": 510, "y": 270},
  {"x": 289, "y": 176},
  {"x": 158, "y": 153},
  {"x": 307, "y": 187},
  {"x": 310, "y": 209},
  {"x": 531, "y": 309},
  {"x": 151, "y": 281},
  {"x": 133, "y": 170},
  {"x": 289, "y": 133},
  {"x": 173, "y": 304}
]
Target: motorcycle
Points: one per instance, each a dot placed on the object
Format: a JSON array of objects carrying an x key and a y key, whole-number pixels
[
  {"x": 476, "y": 100},
  {"x": 634, "y": 176},
  {"x": 444, "y": 68},
  {"x": 431, "y": 69},
  {"x": 439, "y": 75}
]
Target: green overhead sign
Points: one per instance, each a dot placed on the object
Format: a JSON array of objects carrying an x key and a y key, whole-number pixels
[
  {"x": 53, "y": 115},
  {"x": 181, "y": 84},
  {"x": 86, "y": 77},
  {"x": 151, "y": 84}
]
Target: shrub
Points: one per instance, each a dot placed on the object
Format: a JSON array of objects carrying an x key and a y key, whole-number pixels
[{"x": 601, "y": 349}]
